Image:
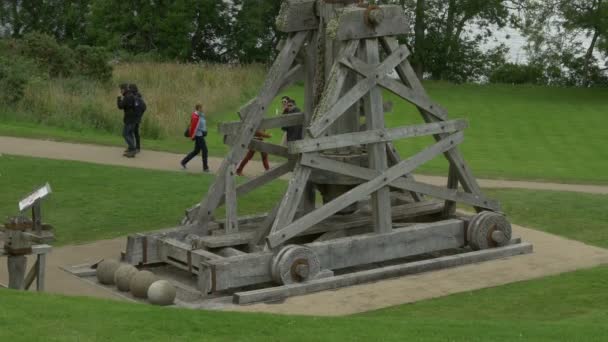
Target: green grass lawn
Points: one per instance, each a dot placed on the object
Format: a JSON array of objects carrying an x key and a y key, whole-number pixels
[
  {"x": 516, "y": 132},
  {"x": 94, "y": 201},
  {"x": 91, "y": 202},
  {"x": 568, "y": 307}
]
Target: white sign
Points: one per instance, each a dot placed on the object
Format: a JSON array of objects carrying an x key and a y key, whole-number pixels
[{"x": 34, "y": 196}]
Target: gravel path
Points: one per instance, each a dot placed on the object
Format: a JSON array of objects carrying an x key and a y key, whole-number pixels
[{"x": 170, "y": 161}]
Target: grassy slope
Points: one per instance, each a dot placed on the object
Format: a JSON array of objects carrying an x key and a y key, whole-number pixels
[
  {"x": 516, "y": 132},
  {"x": 573, "y": 306},
  {"x": 568, "y": 307}
]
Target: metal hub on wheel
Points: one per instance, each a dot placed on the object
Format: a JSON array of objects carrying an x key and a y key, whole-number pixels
[
  {"x": 488, "y": 229},
  {"x": 295, "y": 264}
]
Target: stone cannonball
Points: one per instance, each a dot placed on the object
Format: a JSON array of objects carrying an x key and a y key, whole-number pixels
[
  {"x": 123, "y": 275},
  {"x": 106, "y": 270},
  {"x": 140, "y": 283},
  {"x": 162, "y": 292}
]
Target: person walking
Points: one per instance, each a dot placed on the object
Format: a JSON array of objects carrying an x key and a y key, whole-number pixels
[
  {"x": 292, "y": 132},
  {"x": 126, "y": 102},
  {"x": 198, "y": 132},
  {"x": 140, "y": 108},
  {"x": 259, "y": 135}
]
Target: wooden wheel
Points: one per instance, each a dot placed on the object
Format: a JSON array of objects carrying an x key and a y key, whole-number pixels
[
  {"x": 487, "y": 230},
  {"x": 295, "y": 264}
]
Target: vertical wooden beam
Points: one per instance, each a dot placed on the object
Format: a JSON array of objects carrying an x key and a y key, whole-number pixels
[
  {"x": 40, "y": 271},
  {"x": 310, "y": 67},
  {"x": 450, "y": 206},
  {"x": 393, "y": 159},
  {"x": 374, "y": 119},
  {"x": 231, "y": 223},
  {"x": 16, "y": 271},
  {"x": 252, "y": 117}
]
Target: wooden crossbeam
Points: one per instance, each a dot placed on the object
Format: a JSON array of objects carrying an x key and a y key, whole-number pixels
[
  {"x": 251, "y": 122},
  {"x": 285, "y": 120},
  {"x": 335, "y": 81},
  {"x": 408, "y": 77},
  {"x": 374, "y": 136},
  {"x": 359, "y": 192},
  {"x": 297, "y": 15},
  {"x": 393, "y": 159},
  {"x": 350, "y": 170},
  {"x": 327, "y": 118},
  {"x": 269, "y": 148},
  {"x": 349, "y": 24}
]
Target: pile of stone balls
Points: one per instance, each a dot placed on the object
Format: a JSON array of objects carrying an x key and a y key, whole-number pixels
[{"x": 141, "y": 284}]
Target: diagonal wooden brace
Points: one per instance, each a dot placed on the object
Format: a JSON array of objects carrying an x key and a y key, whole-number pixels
[
  {"x": 326, "y": 164},
  {"x": 361, "y": 191},
  {"x": 251, "y": 121},
  {"x": 323, "y": 121}
]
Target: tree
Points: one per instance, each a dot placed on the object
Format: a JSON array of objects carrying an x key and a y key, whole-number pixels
[
  {"x": 556, "y": 30},
  {"x": 443, "y": 42}
]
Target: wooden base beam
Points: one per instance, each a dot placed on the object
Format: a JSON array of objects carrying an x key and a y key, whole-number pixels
[{"x": 281, "y": 292}]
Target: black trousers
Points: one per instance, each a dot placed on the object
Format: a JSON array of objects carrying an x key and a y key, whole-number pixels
[{"x": 199, "y": 145}]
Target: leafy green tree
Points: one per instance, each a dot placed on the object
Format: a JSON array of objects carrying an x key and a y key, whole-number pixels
[
  {"x": 555, "y": 29},
  {"x": 253, "y": 35}
]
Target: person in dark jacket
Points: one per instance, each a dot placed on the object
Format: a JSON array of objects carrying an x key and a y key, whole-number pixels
[
  {"x": 292, "y": 132},
  {"x": 126, "y": 102},
  {"x": 198, "y": 132},
  {"x": 140, "y": 108}
]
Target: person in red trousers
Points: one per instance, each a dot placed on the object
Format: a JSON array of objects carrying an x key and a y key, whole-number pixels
[{"x": 259, "y": 135}]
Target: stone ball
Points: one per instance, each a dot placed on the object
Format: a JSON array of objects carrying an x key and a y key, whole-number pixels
[
  {"x": 162, "y": 292},
  {"x": 105, "y": 271},
  {"x": 140, "y": 283},
  {"x": 123, "y": 275}
]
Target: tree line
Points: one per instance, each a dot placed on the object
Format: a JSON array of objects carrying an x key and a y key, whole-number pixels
[{"x": 448, "y": 37}]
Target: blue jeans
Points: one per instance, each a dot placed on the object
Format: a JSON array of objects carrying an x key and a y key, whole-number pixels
[{"x": 127, "y": 133}]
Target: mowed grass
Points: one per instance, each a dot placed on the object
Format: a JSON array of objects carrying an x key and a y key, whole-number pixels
[
  {"x": 516, "y": 132},
  {"x": 568, "y": 307},
  {"x": 91, "y": 202}
]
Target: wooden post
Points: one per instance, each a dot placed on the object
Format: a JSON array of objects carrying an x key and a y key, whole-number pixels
[
  {"x": 16, "y": 271},
  {"x": 450, "y": 206},
  {"x": 374, "y": 119}
]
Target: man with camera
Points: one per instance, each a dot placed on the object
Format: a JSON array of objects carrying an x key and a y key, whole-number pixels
[{"x": 126, "y": 101}]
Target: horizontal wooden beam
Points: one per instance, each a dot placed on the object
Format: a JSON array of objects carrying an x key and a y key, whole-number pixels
[
  {"x": 361, "y": 191},
  {"x": 352, "y": 24},
  {"x": 281, "y": 292},
  {"x": 350, "y": 170},
  {"x": 269, "y": 148},
  {"x": 254, "y": 268},
  {"x": 284, "y": 120},
  {"x": 374, "y": 136},
  {"x": 297, "y": 15}
]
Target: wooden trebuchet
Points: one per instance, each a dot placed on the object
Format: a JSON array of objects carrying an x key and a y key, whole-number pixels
[{"x": 371, "y": 209}]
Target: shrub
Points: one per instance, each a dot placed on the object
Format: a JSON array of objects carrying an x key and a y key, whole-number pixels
[
  {"x": 517, "y": 74},
  {"x": 92, "y": 63},
  {"x": 56, "y": 59},
  {"x": 13, "y": 79}
]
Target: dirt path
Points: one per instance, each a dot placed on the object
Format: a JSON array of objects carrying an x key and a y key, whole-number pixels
[
  {"x": 170, "y": 161},
  {"x": 552, "y": 255}
]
